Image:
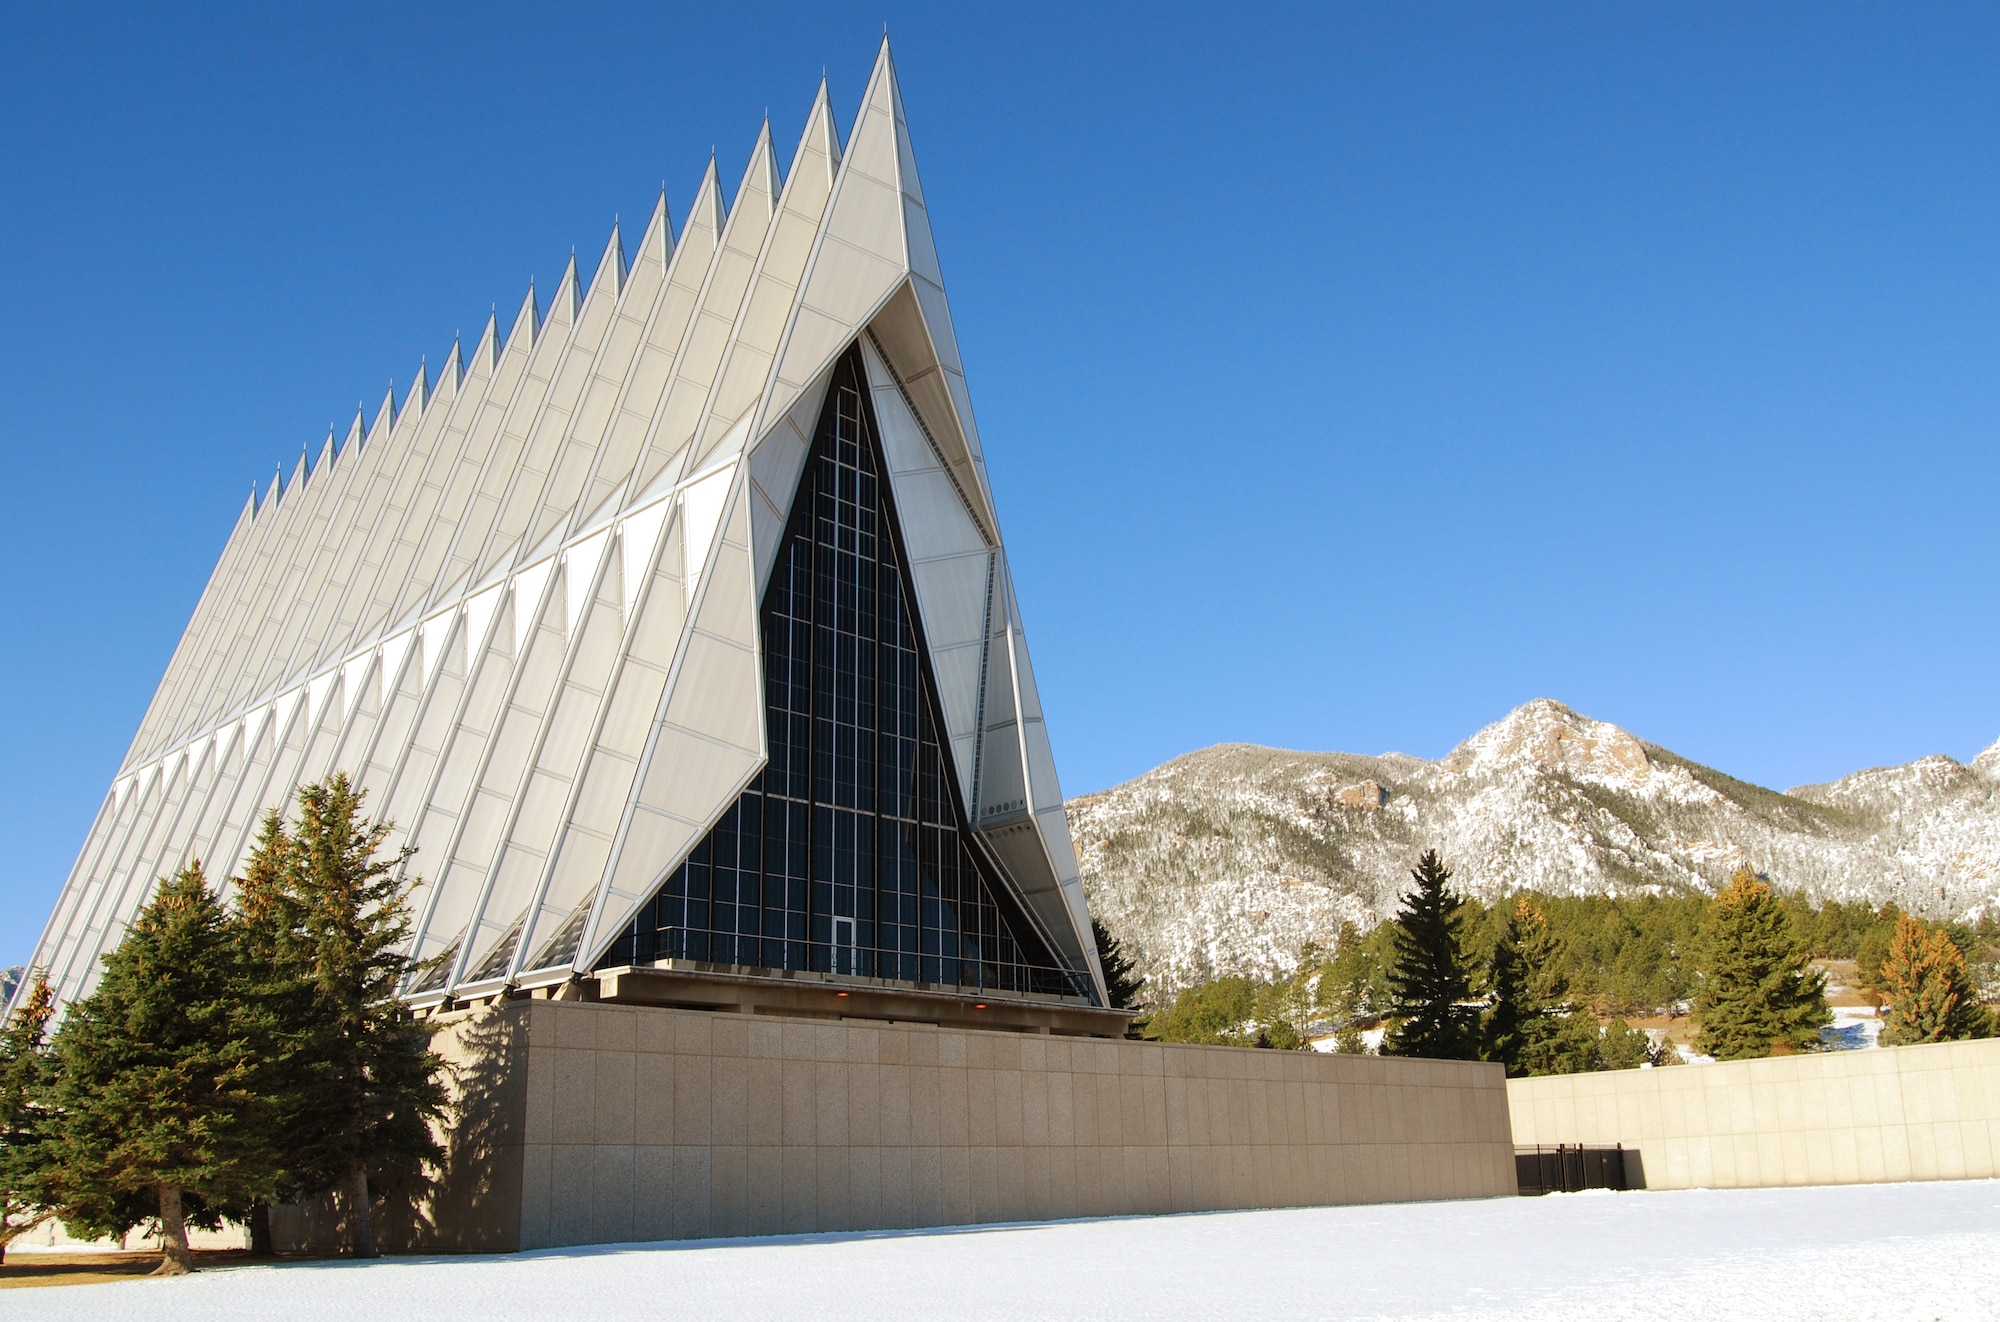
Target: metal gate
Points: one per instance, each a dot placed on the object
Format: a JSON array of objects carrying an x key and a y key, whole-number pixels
[{"x": 1567, "y": 1168}]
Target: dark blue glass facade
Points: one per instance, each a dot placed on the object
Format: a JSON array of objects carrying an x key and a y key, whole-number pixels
[{"x": 849, "y": 853}]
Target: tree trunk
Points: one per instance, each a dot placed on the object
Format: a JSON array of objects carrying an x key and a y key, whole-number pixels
[
  {"x": 175, "y": 1260},
  {"x": 358, "y": 1210},
  {"x": 260, "y": 1231}
]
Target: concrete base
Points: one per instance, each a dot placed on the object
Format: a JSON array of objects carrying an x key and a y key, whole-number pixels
[{"x": 585, "y": 1123}]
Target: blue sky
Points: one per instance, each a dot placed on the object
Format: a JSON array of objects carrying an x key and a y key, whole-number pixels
[{"x": 1348, "y": 376}]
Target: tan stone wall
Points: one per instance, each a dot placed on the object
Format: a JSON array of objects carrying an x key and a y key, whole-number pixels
[
  {"x": 1851, "y": 1117},
  {"x": 476, "y": 1206},
  {"x": 637, "y": 1123}
]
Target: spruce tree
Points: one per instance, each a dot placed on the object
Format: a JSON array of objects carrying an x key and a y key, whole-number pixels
[
  {"x": 156, "y": 1081},
  {"x": 26, "y": 1122},
  {"x": 1222, "y": 1012},
  {"x": 1352, "y": 988},
  {"x": 1530, "y": 1025},
  {"x": 1514, "y": 1011},
  {"x": 281, "y": 1016},
  {"x": 1624, "y": 1047},
  {"x": 1759, "y": 994},
  {"x": 367, "y": 1121},
  {"x": 1930, "y": 991},
  {"x": 1120, "y": 979},
  {"x": 1431, "y": 978}
]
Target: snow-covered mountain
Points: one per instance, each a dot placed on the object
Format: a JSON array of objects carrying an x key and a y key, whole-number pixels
[{"x": 1229, "y": 859}]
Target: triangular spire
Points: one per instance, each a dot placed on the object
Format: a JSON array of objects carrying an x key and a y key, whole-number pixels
[
  {"x": 451, "y": 373},
  {"x": 612, "y": 263},
  {"x": 486, "y": 353},
  {"x": 562, "y": 308},
  {"x": 302, "y": 471},
  {"x": 420, "y": 392},
  {"x": 821, "y": 133},
  {"x": 658, "y": 242},
  {"x": 906, "y": 160},
  {"x": 276, "y": 491},
  {"x": 326, "y": 451},
  {"x": 860, "y": 255},
  {"x": 355, "y": 429},
  {"x": 528, "y": 319},
  {"x": 760, "y": 178},
  {"x": 706, "y": 214},
  {"x": 385, "y": 416}
]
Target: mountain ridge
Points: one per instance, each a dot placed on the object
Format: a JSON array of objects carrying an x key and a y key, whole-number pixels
[{"x": 1228, "y": 859}]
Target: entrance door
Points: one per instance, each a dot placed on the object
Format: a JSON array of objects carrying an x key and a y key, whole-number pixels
[{"x": 843, "y": 946}]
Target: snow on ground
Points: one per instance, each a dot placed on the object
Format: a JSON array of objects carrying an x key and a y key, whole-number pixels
[
  {"x": 1854, "y": 1028},
  {"x": 1882, "y": 1252}
]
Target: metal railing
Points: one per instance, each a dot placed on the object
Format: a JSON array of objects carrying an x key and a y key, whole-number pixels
[{"x": 967, "y": 969}]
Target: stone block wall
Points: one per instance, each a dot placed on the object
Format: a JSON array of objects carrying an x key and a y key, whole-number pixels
[
  {"x": 1850, "y": 1117},
  {"x": 586, "y": 1123}
]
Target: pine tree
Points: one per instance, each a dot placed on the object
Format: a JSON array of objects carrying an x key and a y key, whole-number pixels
[
  {"x": 25, "y": 1119},
  {"x": 1514, "y": 1010},
  {"x": 156, "y": 1082},
  {"x": 1218, "y": 1013},
  {"x": 1759, "y": 994},
  {"x": 280, "y": 1016},
  {"x": 1530, "y": 1026},
  {"x": 1431, "y": 979},
  {"x": 1120, "y": 979},
  {"x": 367, "y": 1122},
  {"x": 1930, "y": 991},
  {"x": 1624, "y": 1047},
  {"x": 1353, "y": 985}
]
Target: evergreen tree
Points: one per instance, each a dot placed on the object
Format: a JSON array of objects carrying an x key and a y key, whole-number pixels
[
  {"x": 1349, "y": 1041},
  {"x": 1760, "y": 994},
  {"x": 1930, "y": 991},
  {"x": 1284, "y": 1012},
  {"x": 366, "y": 1123},
  {"x": 280, "y": 1016},
  {"x": 1563, "y": 1038},
  {"x": 1218, "y": 1013},
  {"x": 1515, "y": 1011},
  {"x": 1353, "y": 988},
  {"x": 1624, "y": 1047},
  {"x": 156, "y": 1082},
  {"x": 1120, "y": 979},
  {"x": 1431, "y": 978},
  {"x": 25, "y": 1119},
  {"x": 1530, "y": 1026}
]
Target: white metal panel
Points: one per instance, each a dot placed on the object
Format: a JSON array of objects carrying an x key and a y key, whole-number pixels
[
  {"x": 652, "y": 367},
  {"x": 517, "y": 751},
  {"x": 708, "y": 740},
  {"x": 707, "y": 339}
]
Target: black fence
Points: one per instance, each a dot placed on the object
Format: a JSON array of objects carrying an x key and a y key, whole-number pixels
[{"x": 1568, "y": 1168}]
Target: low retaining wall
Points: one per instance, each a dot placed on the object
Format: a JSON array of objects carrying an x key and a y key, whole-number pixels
[
  {"x": 585, "y": 1123},
  {"x": 1849, "y": 1117}
]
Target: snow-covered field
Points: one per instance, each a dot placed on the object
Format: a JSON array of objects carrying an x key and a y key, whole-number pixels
[{"x": 1881, "y": 1252}]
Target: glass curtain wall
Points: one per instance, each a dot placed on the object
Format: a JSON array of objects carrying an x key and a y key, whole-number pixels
[{"x": 849, "y": 852}]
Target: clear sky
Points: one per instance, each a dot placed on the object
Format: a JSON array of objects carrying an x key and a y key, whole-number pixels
[{"x": 1348, "y": 376}]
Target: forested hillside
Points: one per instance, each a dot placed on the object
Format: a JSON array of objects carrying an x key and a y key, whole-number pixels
[{"x": 1228, "y": 861}]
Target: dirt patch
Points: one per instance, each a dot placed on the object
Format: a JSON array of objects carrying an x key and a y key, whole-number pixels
[
  {"x": 1843, "y": 986},
  {"x": 28, "y": 1269}
]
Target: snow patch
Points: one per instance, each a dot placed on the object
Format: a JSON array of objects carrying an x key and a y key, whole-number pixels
[{"x": 1888, "y": 1251}]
